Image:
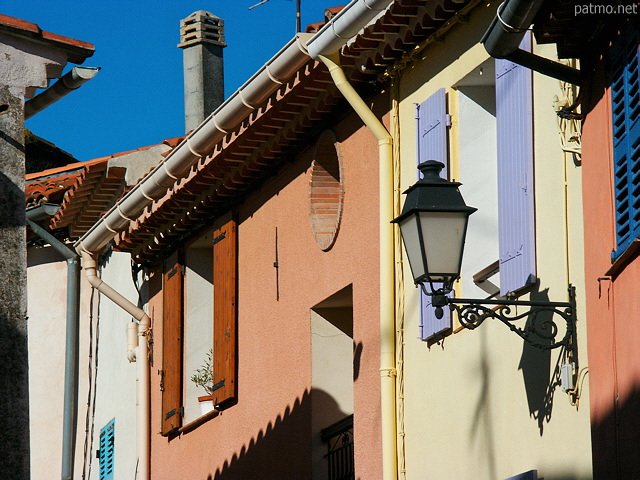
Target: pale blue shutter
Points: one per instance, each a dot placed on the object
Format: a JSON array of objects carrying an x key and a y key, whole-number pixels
[
  {"x": 516, "y": 217},
  {"x": 432, "y": 145},
  {"x": 625, "y": 98},
  {"x": 106, "y": 452}
]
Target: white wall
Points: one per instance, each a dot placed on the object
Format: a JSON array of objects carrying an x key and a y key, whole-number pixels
[
  {"x": 198, "y": 322},
  {"x": 115, "y": 376}
]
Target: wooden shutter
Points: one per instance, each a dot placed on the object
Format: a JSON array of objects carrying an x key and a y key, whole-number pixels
[
  {"x": 225, "y": 261},
  {"x": 172, "y": 338},
  {"x": 625, "y": 98},
  {"x": 433, "y": 145},
  {"x": 514, "y": 119}
]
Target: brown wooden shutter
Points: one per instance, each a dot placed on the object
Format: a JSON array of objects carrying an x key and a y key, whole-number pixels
[
  {"x": 225, "y": 261},
  {"x": 172, "y": 338}
]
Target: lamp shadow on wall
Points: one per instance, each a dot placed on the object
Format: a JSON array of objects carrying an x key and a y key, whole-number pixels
[
  {"x": 540, "y": 383},
  {"x": 282, "y": 449}
]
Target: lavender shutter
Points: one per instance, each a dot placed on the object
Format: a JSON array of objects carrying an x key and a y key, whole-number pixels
[
  {"x": 514, "y": 118},
  {"x": 432, "y": 145}
]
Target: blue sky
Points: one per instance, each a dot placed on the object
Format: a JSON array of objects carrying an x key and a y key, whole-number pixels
[{"x": 137, "y": 97}]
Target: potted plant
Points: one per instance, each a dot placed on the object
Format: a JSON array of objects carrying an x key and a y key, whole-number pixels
[{"x": 203, "y": 377}]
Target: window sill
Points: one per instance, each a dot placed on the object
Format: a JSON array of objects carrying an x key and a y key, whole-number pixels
[
  {"x": 189, "y": 427},
  {"x": 625, "y": 259}
]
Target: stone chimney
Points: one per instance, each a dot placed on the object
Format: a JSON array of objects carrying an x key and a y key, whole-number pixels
[{"x": 202, "y": 41}]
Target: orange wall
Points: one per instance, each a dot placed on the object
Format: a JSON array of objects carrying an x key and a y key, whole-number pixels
[
  {"x": 268, "y": 433},
  {"x": 613, "y": 304}
]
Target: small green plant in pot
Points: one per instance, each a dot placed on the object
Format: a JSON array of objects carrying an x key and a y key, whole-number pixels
[{"x": 203, "y": 377}]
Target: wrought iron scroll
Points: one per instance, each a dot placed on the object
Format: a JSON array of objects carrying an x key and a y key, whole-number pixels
[{"x": 544, "y": 325}]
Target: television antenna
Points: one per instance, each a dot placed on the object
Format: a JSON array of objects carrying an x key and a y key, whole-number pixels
[{"x": 298, "y": 27}]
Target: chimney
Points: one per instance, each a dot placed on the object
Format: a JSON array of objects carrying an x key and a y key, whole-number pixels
[{"x": 202, "y": 41}]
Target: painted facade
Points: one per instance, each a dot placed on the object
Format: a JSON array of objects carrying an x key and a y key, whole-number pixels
[
  {"x": 482, "y": 403},
  {"x": 611, "y": 268},
  {"x": 270, "y": 252}
]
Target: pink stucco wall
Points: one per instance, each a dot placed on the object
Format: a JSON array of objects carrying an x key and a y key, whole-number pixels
[
  {"x": 267, "y": 434},
  {"x": 612, "y": 303}
]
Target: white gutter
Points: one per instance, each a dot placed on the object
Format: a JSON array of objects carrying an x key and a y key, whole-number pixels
[
  {"x": 198, "y": 143},
  {"x": 345, "y": 25},
  {"x": 69, "y": 82}
]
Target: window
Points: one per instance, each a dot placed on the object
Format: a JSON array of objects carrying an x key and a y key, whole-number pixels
[
  {"x": 496, "y": 108},
  {"x": 625, "y": 97},
  {"x": 199, "y": 316}
]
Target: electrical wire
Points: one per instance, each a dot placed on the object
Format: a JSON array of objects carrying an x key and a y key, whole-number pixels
[{"x": 94, "y": 305}]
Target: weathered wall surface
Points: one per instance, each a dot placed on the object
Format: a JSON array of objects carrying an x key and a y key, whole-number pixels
[{"x": 14, "y": 377}]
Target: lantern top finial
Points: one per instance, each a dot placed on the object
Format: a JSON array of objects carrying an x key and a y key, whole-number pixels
[{"x": 431, "y": 171}]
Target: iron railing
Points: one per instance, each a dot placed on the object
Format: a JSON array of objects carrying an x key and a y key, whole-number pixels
[{"x": 339, "y": 440}]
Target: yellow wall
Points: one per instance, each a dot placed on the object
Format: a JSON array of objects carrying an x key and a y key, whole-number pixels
[{"x": 479, "y": 404}]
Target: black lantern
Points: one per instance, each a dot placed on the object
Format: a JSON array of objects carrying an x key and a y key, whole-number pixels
[{"x": 433, "y": 224}]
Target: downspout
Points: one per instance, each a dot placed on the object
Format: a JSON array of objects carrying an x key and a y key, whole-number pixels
[
  {"x": 502, "y": 40},
  {"x": 137, "y": 351},
  {"x": 387, "y": 261},
  {"x": 69, "y": 416},
  {"x": 70, "y": 81},
  {"x": 326, "y": 48}
]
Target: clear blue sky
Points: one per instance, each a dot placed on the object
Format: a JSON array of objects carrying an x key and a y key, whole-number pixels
[{"x": 137, "y": 97}]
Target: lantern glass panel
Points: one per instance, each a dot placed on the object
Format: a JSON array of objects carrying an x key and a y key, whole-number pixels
[
  {"x": 413, "y": 245},
  {"x": 443, "y": 239}
]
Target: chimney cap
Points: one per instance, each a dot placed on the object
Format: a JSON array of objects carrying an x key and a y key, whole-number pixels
[{"x": 201, "y": 27}]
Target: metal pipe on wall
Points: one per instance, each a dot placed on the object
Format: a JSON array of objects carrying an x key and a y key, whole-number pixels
[{"x": 70, "y": 410}]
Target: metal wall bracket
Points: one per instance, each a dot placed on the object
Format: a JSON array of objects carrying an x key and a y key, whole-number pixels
[{"x": 548, "y": 325}]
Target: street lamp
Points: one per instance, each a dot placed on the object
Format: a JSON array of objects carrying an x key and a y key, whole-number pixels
[{"x": 433, "y": 224}]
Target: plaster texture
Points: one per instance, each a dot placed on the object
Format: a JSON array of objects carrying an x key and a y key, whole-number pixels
[
  {"x": 268, "y": 433},
  {"x": 481, "y": 404}
]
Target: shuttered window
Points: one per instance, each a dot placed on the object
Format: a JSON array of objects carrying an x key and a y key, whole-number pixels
[
  {"x": 516, "y": 218},
  {"x": 432, "y": 122},
  {"x": 224, "y": 328},
  {"x": 224, "y": 313},
  {"x": 172, "y": 341},
  {"x": 625, "y": 97},
  {"x": 106, "y": 452}
]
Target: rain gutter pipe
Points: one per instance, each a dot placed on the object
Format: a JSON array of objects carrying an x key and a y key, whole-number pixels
[
  {"x": 325, "y": 47},
  {"x": 72, "y": 80},
  {"x": 137, "y": 351},
  {"x": 502, "y": 40},
  {"x": 70, "y": 410}
]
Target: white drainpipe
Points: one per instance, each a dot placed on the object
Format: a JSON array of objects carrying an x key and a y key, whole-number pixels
[
  {"x": 137, "y": 351},
  {"x": 178, "y": 163}
]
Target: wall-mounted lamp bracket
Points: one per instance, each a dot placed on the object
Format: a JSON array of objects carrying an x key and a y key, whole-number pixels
[{"x": 541, "y": 331}]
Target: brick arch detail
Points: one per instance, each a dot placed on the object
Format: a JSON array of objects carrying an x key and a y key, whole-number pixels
[{"x": 326, "y": 190}]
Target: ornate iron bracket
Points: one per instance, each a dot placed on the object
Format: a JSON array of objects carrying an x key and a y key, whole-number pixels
[{"x": 542, "y": 330}]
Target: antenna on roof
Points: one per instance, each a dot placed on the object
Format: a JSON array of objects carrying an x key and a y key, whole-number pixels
[{"x": 298, "y": 28}]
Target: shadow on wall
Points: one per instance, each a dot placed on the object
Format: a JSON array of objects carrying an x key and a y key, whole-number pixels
[
  {"x": 282, "y": 449},
  {"x": 615, "y": 440},
  {"x": 535, "y": 365}
]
